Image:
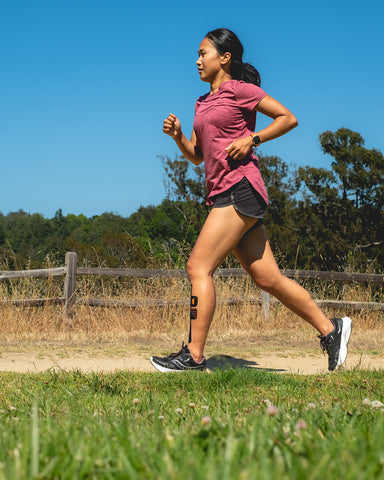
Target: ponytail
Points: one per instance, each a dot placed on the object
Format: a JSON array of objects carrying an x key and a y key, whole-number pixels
[
  {"x": 224, "y": 41},
  {"x": 246, "y": 72}
]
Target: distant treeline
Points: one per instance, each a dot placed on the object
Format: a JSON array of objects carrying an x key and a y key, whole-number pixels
[{"x": 326, "y": 219}]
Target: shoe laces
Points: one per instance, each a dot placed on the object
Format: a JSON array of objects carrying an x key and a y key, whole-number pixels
[
  {"x": 180, "y": 352},
  {"x": 326, "y": 342}
]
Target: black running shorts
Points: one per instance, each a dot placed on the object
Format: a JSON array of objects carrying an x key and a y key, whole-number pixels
[{"x": 245, "y": 199}]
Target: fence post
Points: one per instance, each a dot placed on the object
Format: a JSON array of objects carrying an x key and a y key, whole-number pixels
[
  {"x": 265, "y": 304},
  {"x": 70, "y": 283}
]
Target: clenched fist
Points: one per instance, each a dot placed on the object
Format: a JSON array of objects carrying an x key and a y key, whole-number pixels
[{"x": 172, "y": 126}]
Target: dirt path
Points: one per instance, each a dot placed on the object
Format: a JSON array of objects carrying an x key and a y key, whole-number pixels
[
  {"x": 281, "y": 352},
  {"x": 288, "y": 362}
]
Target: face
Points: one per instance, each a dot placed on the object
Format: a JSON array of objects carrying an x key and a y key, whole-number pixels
[{"x": 210, "y": 62}]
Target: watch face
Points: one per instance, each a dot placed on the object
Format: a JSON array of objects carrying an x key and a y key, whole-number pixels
[{"x": 256, "y": 140}]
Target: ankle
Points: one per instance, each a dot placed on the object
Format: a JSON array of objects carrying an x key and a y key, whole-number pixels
[
  {"x": 327, "y": 328},
  {"x": 196, "y": 353}
]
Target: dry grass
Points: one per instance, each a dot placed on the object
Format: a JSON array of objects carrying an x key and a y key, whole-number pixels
[{"x": 239, "y": 325}]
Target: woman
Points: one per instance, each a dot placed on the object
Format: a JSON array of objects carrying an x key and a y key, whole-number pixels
[{"x": 223, "y": 137}]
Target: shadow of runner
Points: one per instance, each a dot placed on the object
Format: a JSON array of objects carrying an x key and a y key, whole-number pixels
[{"x": 223, "y": 362}]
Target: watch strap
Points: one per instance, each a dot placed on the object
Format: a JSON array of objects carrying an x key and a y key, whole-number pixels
[{"x": 256, "y": 140}]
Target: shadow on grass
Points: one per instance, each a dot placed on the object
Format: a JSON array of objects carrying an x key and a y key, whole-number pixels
[{"x": 223, "y": 362}]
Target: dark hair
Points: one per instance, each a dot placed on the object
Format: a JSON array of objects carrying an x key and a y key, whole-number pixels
[{"x": 224, "y": 41}]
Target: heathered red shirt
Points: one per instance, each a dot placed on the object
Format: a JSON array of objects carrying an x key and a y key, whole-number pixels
[{"x": 221, "y": 118}]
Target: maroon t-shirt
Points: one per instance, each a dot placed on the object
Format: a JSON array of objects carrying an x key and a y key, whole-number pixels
[{"x": 221, "y": 118}]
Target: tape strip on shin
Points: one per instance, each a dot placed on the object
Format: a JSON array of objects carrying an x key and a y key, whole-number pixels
[{"x": 192, "y": 315}]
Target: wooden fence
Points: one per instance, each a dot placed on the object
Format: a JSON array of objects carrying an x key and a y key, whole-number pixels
[{"x": 71, "y": 270}]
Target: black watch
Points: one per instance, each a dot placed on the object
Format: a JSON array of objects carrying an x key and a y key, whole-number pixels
[{"x": 256, "y": 140}]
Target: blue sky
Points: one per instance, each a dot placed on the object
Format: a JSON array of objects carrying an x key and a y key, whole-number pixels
[{"x": 85, "y": 86}]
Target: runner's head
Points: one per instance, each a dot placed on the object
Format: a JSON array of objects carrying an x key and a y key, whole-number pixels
[{"x": 224, "y": 41}]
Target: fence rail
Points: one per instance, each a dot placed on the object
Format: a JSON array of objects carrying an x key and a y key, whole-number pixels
[
  {"x": 47, "y": 272},
  {"x": 70, "y": 271}
]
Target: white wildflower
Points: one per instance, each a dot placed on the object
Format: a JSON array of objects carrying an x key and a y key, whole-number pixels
[
  {"x": 300, "y": 425},
  {"x": 206, "y": 420},
  {"x": 272, "y": 410}
]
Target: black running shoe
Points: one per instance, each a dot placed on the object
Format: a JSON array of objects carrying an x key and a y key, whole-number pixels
[
  {"x": 336, "y": 342},
  {"x": 178, "y": 362}
]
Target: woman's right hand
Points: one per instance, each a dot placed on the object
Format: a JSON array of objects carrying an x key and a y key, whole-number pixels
[{"x": 172, "y": 126}]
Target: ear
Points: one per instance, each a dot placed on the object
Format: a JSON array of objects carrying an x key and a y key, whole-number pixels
[{"x": 225, "y": 58}]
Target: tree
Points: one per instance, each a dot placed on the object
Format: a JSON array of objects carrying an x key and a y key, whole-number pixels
[
  {"x": 2, "y": 230},
  {"x": 185, "y": 182},
  {"x": 341, "y": 211},
  {"x": 279, "y": 224},
  {"x": 166, "y": 228},
  {"x": 122, "y": 250},
  {"x": 360, "y": 171}
]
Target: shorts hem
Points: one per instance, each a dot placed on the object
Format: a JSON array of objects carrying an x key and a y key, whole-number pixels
[
  {"x": 244, "y": 198},
  {"x": 246, "y": 214}
]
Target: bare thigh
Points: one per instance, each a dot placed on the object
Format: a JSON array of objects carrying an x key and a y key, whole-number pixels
[
  {"x": 255, "y": 256},
  {"x": 219, "y": 236}
]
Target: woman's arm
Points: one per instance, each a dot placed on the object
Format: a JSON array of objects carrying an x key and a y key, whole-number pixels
[
  {"x": 188, "y": 148},
  {"x": 283, "y": 122}
]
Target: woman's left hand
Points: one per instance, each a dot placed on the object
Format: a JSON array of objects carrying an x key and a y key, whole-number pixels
[{"x": 240, "y": 148}]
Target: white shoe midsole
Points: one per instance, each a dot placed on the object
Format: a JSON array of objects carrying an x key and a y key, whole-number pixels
[
  {"x": 165, "y": 369},
  {"x": 345, "y": 334}
]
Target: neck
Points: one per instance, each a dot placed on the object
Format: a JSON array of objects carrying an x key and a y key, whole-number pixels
[{"x": 218, "y": 81}]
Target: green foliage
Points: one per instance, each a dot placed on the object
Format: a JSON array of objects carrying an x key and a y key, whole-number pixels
[
  {"x": 360, "y": 171},
  {"x": 317, "y": 218},
  {"x": 340, "y": 217},
  {"x": 230, "y": 424},
  {"x": 185, "y": 183},
  {"x": 279, "y": 219},
  {"x": 2, "y": 231}
]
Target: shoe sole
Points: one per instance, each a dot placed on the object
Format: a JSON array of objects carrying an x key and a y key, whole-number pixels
[
  {"x": 164, "y": 369},
  {"x": 345, "y": 335},
  {"x": 170, "y": 370}
]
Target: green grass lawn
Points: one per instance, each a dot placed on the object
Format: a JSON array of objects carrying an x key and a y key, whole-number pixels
[{"x": 229, "y": 424}]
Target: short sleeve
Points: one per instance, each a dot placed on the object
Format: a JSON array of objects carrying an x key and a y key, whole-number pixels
[{"x": 248, "y": 95}]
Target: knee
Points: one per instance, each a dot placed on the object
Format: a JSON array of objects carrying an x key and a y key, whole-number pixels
[
  {"x": 190, "y": 267},
  {"x": 193, "y": 269},
  {"x": 196, "y": 270},
  {"x": 269, "y": 284}
]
